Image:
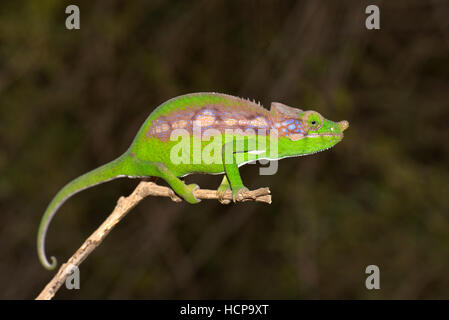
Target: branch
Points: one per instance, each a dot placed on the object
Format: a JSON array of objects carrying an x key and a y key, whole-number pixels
[{"x": 124, "y": 205}]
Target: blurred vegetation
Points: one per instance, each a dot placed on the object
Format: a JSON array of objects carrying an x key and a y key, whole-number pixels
[{"x": 73, "y": 100}]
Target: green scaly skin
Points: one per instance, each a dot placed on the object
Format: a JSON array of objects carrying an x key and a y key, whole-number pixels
[{"x": 150, "y": 154}]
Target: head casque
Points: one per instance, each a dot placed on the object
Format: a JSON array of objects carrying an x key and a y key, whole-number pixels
[{"x": 305, "y": 132}]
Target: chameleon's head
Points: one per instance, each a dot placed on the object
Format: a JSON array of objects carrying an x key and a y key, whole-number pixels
[{"x": 307, "y": 131}]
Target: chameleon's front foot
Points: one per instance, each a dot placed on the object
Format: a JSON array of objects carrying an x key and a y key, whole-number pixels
[
  {"x": 221, "y": 193},
  {"x": 189, "y": 196},
  {"x": 237, "y": 194},
  {"x": 222, "y": 189}
]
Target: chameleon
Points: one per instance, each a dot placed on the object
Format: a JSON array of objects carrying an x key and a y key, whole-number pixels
[{"x": 210, "y": 133}]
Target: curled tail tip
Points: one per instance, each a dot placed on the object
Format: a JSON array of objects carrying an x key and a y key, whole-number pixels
[{"x": 49, "y": 266}]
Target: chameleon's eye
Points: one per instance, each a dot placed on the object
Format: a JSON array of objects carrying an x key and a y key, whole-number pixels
[{"x": 313, "y": 120}]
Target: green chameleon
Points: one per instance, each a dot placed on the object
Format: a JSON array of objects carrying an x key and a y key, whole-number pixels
[{"x": 208, "y": 133}]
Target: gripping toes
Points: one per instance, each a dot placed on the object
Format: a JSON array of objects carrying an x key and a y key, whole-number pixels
[
  {"x": 221, "y": 193},
  {"x": 237, "y": 195},
  {"x": 189, "y": 194},
  {"x": 222, "y": 189}
]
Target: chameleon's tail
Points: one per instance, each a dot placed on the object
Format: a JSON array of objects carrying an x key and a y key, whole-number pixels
[{"x": 107, "y": 172}]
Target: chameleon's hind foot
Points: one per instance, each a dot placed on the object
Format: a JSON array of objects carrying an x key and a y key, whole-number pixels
[
  {"x": 189, "y": 193},
  {"x": 183, "y": 190}
]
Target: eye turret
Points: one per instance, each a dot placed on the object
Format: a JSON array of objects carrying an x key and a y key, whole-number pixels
[{"x": 312, "y": 120}]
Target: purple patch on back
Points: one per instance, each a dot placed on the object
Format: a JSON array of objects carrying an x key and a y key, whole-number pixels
[
  {"x": 207, "y": 117},
  {"x": 223, "y": 117}
]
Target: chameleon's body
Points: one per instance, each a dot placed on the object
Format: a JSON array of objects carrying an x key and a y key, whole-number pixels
[{"x": 219, "y": 133}]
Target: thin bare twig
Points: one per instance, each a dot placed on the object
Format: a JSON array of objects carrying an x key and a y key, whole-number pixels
[{"x": 124, "y": 205}]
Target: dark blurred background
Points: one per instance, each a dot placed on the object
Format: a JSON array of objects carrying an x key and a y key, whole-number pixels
[{"x": 73, "y": 100}]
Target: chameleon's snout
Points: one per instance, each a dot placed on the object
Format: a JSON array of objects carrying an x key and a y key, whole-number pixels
[{"x": 343, "y": 125}]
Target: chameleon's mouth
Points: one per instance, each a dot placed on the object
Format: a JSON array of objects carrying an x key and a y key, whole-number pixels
[
  {"x": 328, "y": 135},
  {"x": 296, "y": 137}
]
